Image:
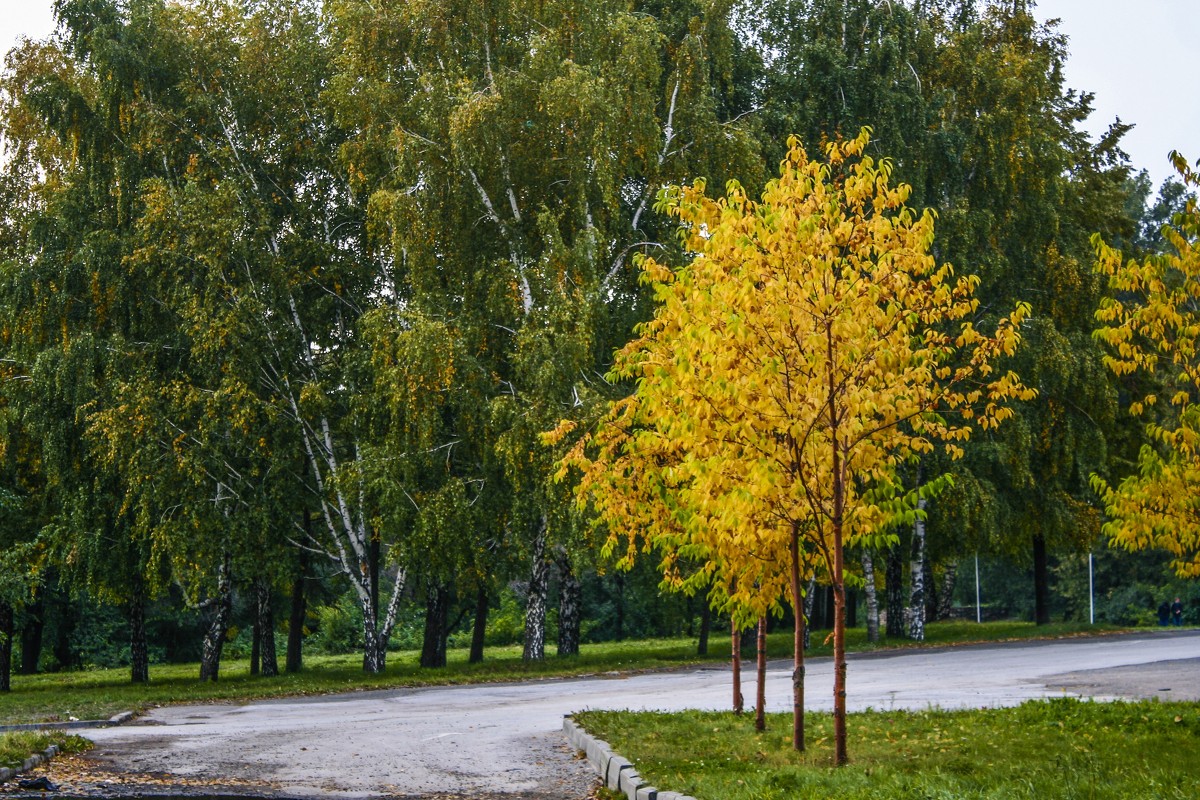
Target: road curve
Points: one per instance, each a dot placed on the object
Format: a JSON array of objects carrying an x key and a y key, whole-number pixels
[{"x": 504, "y": 739}]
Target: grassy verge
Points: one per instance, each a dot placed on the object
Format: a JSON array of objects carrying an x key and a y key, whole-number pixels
[
  {"x": 17, "y": 746},
  {"x": 98, "y": 694},
  {"x": 1047, "y": 750}
]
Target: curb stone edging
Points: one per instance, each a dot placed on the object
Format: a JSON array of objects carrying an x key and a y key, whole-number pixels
[
  {"x": 78, "y": 724},
  {"x": 37, "y": 759},
  {"x": 618, "y": 773},
  {"x": 33, "y": 761}
]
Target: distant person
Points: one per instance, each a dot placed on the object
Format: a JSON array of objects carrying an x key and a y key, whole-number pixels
[
  {"x": 1177, "y": 612},
  {"x": 1164, "y": 614}
]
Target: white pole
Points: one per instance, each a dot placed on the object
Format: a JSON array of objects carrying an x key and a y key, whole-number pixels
[
  {"x": 1091, "y": 594},
  {"x": 978, "y": 611}
]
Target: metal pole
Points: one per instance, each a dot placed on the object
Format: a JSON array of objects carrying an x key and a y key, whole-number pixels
[
  {"x": 1091, "y": 594},
  {"x": 978, "y": 611}
]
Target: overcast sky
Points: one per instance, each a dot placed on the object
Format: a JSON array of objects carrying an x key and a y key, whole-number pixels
[{"x": 1133, "y": 54}]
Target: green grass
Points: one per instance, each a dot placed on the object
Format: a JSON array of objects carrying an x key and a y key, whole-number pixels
[
  {"x": 1043, "y": 750},
  {"x": 17, "y": 746},
  {"x": 98, "y": 694}
]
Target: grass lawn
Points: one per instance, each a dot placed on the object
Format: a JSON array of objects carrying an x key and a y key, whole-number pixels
[
  {"x": 17, "y": 746},
  {"x": 1061, "y": 748},
  {"x": 98, "y": 694}
]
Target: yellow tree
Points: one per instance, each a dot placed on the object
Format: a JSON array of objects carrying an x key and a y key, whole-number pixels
[
  {"x": 810, "y": 349},
  {"x": 1152, "y": 324}
]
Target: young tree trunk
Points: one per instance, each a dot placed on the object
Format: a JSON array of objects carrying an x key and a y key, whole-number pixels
[
  {"x": 265, "y": 622},
  {"x": 619, "y": 580},
  {"x": 6, "y": 642},
  {"x": 479, "y": 627},
  {"x": 255, "y": 638},
  {"x": 799, "y": 642},
  {"x": 868, "y": 567},
  {"x": 760, "y": 693},
  {"x": 894, "y": 578},
  {"x": 946, "y": 595},
  {"x": 214, "y": 639},
  {"x": 31, "y": 635},
  {"x": 139, "y": 647},
  {"x": 735, "y": 650},
  {"x": 932, "y": 598},
  {"x": 437, "y": 615},
  {"x": 838, "y": 579},
  {"x": 810, "y": 600},
  {"x": 705, "y": 626},
  {"x": 1041, "y": 582},
  {"x": 570, "y": 602},
  {"x": 535, "y": 597},
  {"x": 294, "y": 660},
  {"x": 916, "y": 598}
]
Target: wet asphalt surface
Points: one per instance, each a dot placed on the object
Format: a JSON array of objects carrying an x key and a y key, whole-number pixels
[{"x": 495, "y": 741}]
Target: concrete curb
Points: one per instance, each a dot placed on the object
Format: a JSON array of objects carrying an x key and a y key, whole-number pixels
[
  {"x": 7, "y": 774},
  {"x": 33, "y": 761},
  {"x": 78, "y": 724},
  {"x": 618, "y": 773}
]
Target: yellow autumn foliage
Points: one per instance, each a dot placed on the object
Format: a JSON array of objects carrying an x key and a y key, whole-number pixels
[
  {"x": 1151, "y": 324},
  {"x": 811, "y": 347}
]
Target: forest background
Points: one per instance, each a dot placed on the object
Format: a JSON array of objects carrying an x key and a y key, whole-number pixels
[{"x": 291, "y": 291}]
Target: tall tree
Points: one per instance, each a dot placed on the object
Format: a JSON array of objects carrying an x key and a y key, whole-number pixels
[
  {"x": 970, "y": 99},
  {"x": 512, "y": 152},
  {"x": 1150, "y": 324}
]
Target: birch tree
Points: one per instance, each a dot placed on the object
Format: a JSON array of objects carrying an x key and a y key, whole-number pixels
[{"x": 512, "y": 152}]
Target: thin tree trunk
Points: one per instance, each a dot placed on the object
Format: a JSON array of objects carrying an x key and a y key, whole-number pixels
[
  {"x": 946, "y": 596},
  {"x": 535, "y": 596},
  {"x": 1041, "y": 582},
  {"x": 760, "y": 693},
  {"x": 829, "y": 610},
  {"x": 294, "y": 661},
  {"x": 570, "y": 602},
  {"x": 868, "y": 566},
  {"x": 214, "y": 639},
  {"x": 799, "y": 642},
  {"x": 916, "y": 572},
  {"x": 705, "y": 626},
  {"x": 619, "y": 580},
  {"x": 6, "y": 642},
  {"x": 810, "y": 599},
  {"x": 255, "y": 636},
  {"x": 479, "y": 627},
  {"x": 894, "y": 578},
  {"x": 840, "y": 757},
  {"x": 265, "y": 618},
  {"x": 932, "y": 599},
  {"x": 373, "y": 656},
  {"x": 437, "y": 614},
  {"x": 139, "y": 647},
  {"x": 735, "y": 649},
  {"x": 31, "y": 635}
]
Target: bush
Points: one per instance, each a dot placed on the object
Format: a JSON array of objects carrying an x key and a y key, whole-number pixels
[{"x": 338, "y": 627}]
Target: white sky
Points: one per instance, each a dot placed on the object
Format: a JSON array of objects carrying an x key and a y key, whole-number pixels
[{"x": 1133, "y": 54}]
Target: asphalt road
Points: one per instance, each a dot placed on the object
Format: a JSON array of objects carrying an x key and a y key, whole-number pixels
[{"x": 504, "y": 739}]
